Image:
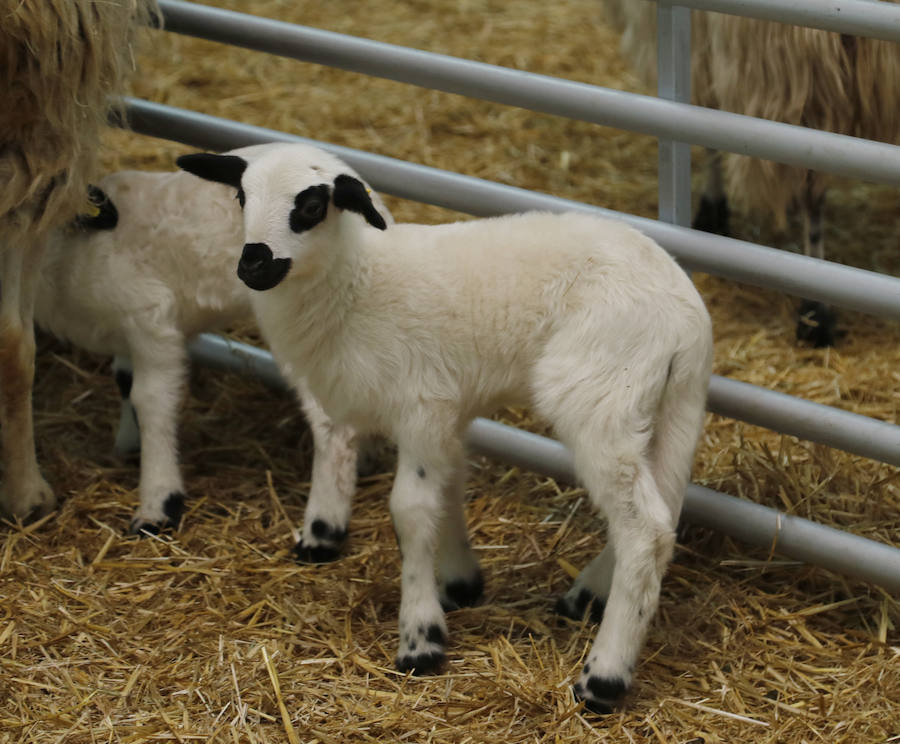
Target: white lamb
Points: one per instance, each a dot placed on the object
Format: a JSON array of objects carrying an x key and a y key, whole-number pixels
[
  {"x": 139, "y": 284},
  {"x": 414, "y": 330}
]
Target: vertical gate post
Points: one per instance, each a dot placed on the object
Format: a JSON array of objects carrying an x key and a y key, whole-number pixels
[{"x": 674, "y": 84}]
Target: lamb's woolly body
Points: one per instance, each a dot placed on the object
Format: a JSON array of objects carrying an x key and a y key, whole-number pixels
[
  {"x": 463, "y": 308},
  {"x": 140, "y": 292},
  {"x": 414, "y": 330},
  {"x": 59, "y": 62}
]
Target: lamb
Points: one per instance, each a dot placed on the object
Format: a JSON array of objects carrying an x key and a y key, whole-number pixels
[
  {"x": 413, "y": 330},
  {"x": 59, "y": 61},
  {"x": 150, "y": 270},
  {"x": 796, "y": 75}
]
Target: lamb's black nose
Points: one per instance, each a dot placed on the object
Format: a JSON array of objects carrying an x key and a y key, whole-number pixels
[
  {"x": 254, "y": 258},
  {"x": 258, "y": 269}
]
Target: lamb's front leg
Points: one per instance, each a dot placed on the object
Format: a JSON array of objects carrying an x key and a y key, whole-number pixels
[
  {"x": 156, "y": 392},
  {"x": 416, "y": 506},
  {"x": 332, "y": 486}
]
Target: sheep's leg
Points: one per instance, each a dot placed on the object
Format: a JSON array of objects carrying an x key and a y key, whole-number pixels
[
  {"x": 128, "y": 435},
  {"x": 459, "y": 574},
  {"x": 590, "y": 588},
  {"x": 332, "y": 486},
  {"x": 416, "y": 504},
  {"x": 156, "y": 393},
  {"x": 25, "y": 493},
  {"x": 642, "y": 528},
  {"x": 816, "y": 322},
  {"x": 712, "y": 212}
]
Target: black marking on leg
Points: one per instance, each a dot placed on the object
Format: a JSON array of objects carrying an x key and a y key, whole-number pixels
[
  {"x": 816, "y": 324},
  {"x": 324, "y": 531},
  {"x": 712, "y": 216},
  {"x": 597, "y": 707},
  {"x": 464, "y": 592},
  {"x": 421, "y": 664},
  {"x": 173, "y": 508},
  {"x": 574, "y": 610},
  {"x": 138, "y": 527},
  {"x": 607, "y": 688},
  {"x": 328, "y": 550},
  {"x": 435, "y": 634},
  {"x": 420, "y": 471},
  {"x": 124, "y": 380}
]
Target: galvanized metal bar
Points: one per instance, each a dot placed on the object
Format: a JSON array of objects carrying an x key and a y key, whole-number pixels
[
  {"x": 786, "y": 414},
  {"x": 876, "y": 20},
  {"x": 759, "y": 525},
  {"x": 835, "y": 153},
  {"x": 674, "y": 84},
  {"x": 857, "y": 289},
  {"x": 804, "y": 419}
]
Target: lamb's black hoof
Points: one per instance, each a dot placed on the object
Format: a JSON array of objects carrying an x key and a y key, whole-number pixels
[
  {"x": 816, "y": 324},
  {"x": 463, "y": 593},
  {"x": 421, "y": 664},
  {"x": 316, "y": 553},
  {"x": 173, "y": 508},
  {"x": 574, "y": 609},
  {"x": 601, "y": 695},
  {"x": 712, "y": 216},
  {"x": 328, "y": 546}
]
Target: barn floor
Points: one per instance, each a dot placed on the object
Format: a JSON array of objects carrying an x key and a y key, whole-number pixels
[{"x": 215, "y": 634}]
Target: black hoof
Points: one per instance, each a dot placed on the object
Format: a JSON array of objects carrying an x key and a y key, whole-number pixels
[
  {"x": 816, "y": 324},
  {"x": 575, "y": 609},
  {"x": 463, "y": 593},
  {"x": 712, "y": 216},
  {"x": 173, "y": 508},
  {"x": 421, "y": 664},
  {"x": 316, "y": 553},
  {"x": 601, "y": 696},
  {"x": 330, "y": 539}
]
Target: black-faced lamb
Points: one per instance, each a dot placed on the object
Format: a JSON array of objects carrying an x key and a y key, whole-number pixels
[
  {"x": 152, "y": 269},
  {"x": 413, "y": 330},
  {"x": 792, "y": 74},
  {"x": 59, "y": 62}
]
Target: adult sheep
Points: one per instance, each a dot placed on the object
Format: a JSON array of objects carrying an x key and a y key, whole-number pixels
[
  {"x": 413, "y": 330},
  {"x": 153, "y": 268},
  {"x": 792, "y": 74},
  {"x": 59, "y": 60}
]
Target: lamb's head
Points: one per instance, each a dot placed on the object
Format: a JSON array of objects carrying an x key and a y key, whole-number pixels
[{"x": 286, "y": 192}]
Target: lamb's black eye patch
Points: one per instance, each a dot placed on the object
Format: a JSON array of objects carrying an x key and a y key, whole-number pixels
[{"x": 310, "y": 208}]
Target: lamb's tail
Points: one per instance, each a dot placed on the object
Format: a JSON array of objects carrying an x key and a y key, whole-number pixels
[{"x": 680, "y": 420}]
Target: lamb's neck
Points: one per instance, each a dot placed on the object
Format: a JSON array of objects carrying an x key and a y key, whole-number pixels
[{"x": 323, "y": 307}]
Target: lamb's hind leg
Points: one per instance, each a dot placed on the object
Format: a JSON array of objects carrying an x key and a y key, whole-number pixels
[
  {"x": 332, "y": 485},
  {"x": 25, "y": 493},
  {"x": 156, "y": 393},
  {"x": 459, "y": 574},
  {"x": 641, "y": 526}
]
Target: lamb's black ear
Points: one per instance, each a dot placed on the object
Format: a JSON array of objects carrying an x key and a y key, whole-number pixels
[
  {"x": 350, "y": 193},
  {"x": 226, "y": 169}
]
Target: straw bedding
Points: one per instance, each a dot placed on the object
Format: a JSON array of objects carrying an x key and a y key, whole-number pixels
[{"x": 214, "y": 634}]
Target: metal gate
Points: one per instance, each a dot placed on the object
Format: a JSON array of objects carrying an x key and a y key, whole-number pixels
[{"x": 677, "y": 124}]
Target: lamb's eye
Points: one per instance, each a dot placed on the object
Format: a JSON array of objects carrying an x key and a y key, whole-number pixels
[
  {"x": 240, "y": 197},
  {"x": 313, "y": 209}
]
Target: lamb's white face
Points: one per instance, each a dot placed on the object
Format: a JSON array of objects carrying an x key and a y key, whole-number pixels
[{"x": 286, "y": 191}]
